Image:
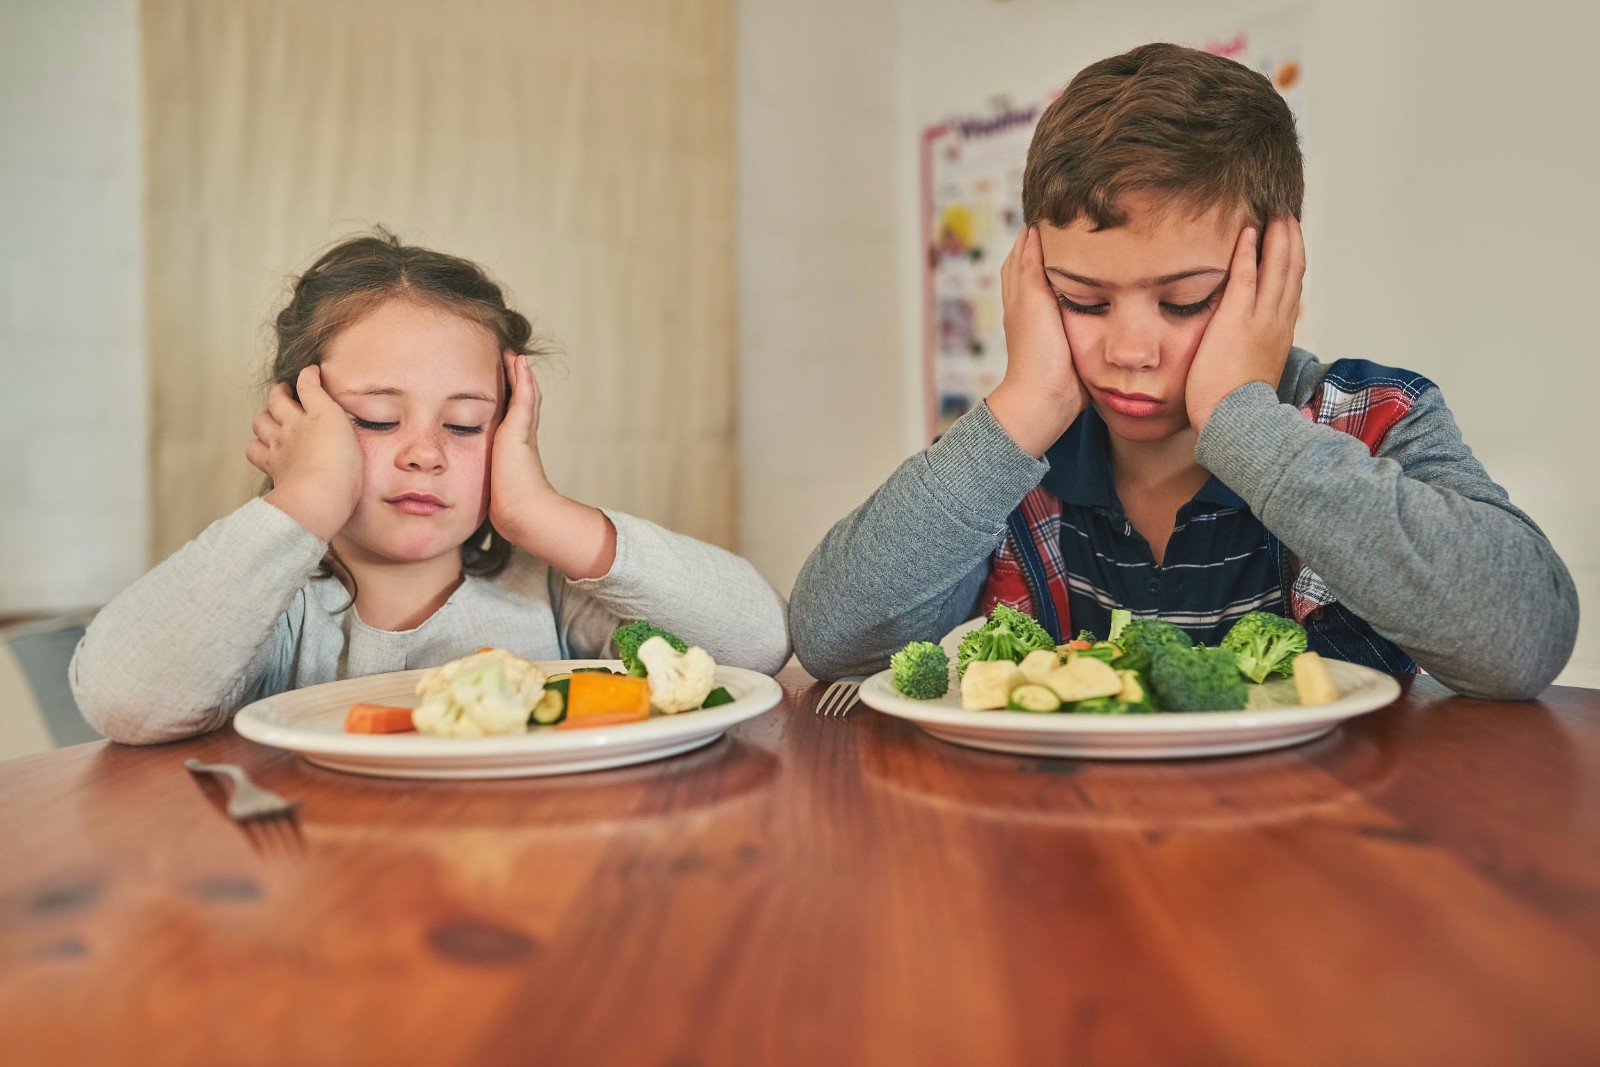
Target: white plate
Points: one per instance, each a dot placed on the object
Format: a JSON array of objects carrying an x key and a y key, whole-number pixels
[
  {"x": 1163, "y": 735},
  {"x": 310, "y": 721}
]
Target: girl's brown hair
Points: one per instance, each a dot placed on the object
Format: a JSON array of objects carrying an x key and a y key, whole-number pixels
[
  {"x": 357, "y": 275},
  {"x": 1204, "y": 130}
]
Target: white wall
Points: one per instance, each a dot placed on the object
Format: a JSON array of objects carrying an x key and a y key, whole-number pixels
[
  {"x": 820, "y": 345},
  {"x": 1451, "y": 226},
  {"x": 73, "y": 396}
]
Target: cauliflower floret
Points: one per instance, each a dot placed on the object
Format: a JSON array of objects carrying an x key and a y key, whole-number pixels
[
  {"x": 488, "y": 692},
  {"x": 679, "y": 681},
  {"x": 988, "y": 683}
]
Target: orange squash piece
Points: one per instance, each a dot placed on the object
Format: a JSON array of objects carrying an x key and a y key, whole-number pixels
[
  {"x": 592, "y": 693},
  {"x": 604, "y": 718},
  {"x": 377, "y": 719}
]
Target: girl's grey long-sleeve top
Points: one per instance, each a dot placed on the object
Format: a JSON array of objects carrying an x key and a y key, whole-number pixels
[
  {"x": 1417, "y": 539},
  {"x": 236, "y": 615}
]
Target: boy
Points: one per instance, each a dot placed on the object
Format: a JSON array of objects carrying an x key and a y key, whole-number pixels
[{"x": 1157, "y": 444}]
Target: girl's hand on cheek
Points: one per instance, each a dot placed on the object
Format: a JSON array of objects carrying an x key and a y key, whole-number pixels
[
  {"x": 309, "y": 450},
  {"x": 1041, "y": 394},
  {"x": 1248, "y": 338},
  {"x": 518, "y": 487}
]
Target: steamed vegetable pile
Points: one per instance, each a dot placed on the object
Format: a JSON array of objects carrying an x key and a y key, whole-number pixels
[
  {"x": 1143, "y": 665},
  {"x": 494, "y": 692}
]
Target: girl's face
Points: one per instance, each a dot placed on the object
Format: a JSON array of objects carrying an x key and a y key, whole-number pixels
[
  {"x": 1135, "y": 302},
  {"x": 424, "y": 389}
]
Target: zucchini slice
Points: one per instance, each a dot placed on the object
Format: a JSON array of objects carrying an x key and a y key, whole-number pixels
[
  {"x": 1036, "y": 698},
  {"x": 552, "y": 707}
]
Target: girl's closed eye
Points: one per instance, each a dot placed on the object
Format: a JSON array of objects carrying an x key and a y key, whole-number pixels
[
  {"x": 464, "y": 431},
  {"x": 368, "y": 424}
]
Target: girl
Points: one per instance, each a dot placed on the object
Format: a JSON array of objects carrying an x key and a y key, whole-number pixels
[{"x": 408, "y": 521}]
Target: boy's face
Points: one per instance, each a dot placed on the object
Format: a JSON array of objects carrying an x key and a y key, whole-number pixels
[{"x": 1135, "y": 302}]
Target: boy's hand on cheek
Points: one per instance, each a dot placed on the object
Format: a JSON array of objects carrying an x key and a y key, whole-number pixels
[
  {"x": 309, "y": 450},
  {"x": 1248, "y": 338},
  {"x": 1040, "y": 395}
]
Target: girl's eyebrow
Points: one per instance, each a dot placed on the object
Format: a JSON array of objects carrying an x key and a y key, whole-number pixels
[
  {"x": 1148, "y": 283},
  {"x": 389, "y": 390}
]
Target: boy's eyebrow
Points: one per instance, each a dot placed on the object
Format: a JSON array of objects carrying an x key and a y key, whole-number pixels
[
  {"x": 1148, "y": 283},
  {"x": 389, "y": 390}
]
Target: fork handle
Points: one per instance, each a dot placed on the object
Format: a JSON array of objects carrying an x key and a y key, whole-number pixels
[{"x": 236, "y": 774}]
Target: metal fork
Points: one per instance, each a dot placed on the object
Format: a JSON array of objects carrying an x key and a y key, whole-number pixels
[
  {"x": 268, "y": 820},
  {"x": 840, "y": 697},
  {"x": 248, "y": 800}
]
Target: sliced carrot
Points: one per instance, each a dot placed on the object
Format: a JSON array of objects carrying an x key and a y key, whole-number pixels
[
  {"x": 602, "y": 718},
  {"x": 1078, "y": 645},
  {"x": 591, "y": 693},
  {"x": 377, "y": 719}
]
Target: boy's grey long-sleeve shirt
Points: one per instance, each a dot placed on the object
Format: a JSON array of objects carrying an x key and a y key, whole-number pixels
[
  {"x": 1417, "y": 540},
  {"x": 236, "y": 615}
]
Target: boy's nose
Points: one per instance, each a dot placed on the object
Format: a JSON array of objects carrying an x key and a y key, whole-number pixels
[{"x": 1132, "y": 348}]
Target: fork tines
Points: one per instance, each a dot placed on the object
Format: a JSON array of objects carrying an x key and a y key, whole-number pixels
[{"x": 839, "y": 698}]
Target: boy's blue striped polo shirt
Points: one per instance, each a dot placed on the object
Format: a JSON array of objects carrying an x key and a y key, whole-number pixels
[{"x": 1217, "y": 564}]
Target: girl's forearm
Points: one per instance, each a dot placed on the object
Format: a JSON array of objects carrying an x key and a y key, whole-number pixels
[{"x": 573, "y": 537}]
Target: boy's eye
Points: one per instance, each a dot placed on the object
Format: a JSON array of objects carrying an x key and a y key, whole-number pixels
[
  {"x": 464, "y": 431},
  {"x": 367, "y": 424},
  {"x": 1080, "y": 309},
  {"x": 1183, "y": 311}
]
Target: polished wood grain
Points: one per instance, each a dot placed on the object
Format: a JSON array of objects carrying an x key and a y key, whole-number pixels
[{"x": 1421, "y": 887}]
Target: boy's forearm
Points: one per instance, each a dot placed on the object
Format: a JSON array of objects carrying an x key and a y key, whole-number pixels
[
  {"x": 909, "y": 563},
  {"x": 1417, "y": 540}
]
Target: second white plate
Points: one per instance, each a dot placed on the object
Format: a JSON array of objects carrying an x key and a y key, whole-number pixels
[{"x": 1164, "y": 735}]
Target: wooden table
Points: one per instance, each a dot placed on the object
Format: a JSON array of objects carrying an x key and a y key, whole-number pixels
[{"x": 1421, "y": 887}]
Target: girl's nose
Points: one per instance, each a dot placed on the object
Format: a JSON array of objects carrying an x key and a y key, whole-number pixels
[{"x": 421, "y": 452}]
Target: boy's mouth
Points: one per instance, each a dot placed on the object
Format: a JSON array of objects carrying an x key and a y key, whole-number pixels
[
  {"x": 1133, "y": 405},
  {"x": 417, "y": 503}
]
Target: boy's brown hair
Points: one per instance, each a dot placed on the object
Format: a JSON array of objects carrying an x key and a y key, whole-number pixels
[{"x": 1204, "y": 130}]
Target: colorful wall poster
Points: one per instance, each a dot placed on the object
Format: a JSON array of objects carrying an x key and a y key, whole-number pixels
[
  {"x": 1275, "y": 45},
  {"x": 971, "y": 212}
]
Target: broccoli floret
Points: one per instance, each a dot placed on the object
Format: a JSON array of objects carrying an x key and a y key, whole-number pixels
[
  {"x": 921, "y": 670},
  {"x": 1196, "y": 679},
  {"x": 1142, "y": 638},
  {"x": 630, "y": 636},
  {"x": 1086, "y": 635},
  {"x": 1263, "y": 643},
  {"x": 1009, "y": 634}
]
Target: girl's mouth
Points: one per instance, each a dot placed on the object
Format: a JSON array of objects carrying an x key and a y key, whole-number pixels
[
  {"x": 1133, "y": 405},
  {"x": 417, "y": 503}
]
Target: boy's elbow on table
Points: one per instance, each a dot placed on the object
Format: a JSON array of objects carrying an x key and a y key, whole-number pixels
[{"x": 1524, "y": 664}]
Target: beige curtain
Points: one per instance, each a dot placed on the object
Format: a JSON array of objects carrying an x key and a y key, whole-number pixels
[{"x": 581, "y": 150}]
